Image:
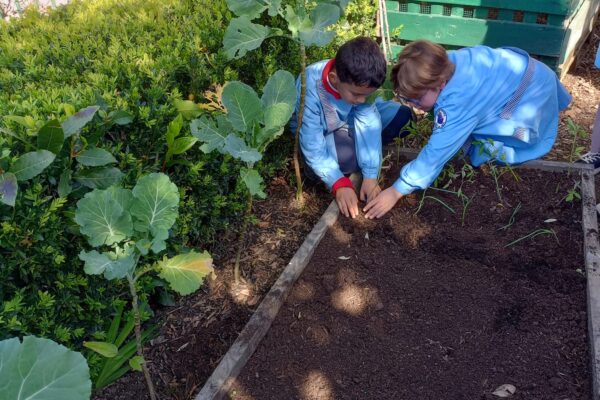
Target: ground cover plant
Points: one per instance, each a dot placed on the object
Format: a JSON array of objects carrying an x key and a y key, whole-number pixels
[{"x": 89, "y": 56}]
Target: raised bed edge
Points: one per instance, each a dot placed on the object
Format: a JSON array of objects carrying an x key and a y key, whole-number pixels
[{"x": 592, "y": 268}]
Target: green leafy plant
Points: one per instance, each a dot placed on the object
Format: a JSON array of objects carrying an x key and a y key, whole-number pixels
[
  {"x": 38, "y": 368},
  {"x": 245, "y": 131},
  {"x": 573, "y": 193},
  {"x": 577, "y": 132},
  {"x": 91, "y": 169},
  {"x": 176, "y": 145},
  {"x": 118, "y": 356},
  {"x": 129, "y": 224},
  {"x": 304, "y": 27}
]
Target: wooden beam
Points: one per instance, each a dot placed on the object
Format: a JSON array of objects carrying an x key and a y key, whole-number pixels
[
  {"x": 551, "y": 166},
  {"x": 592, "y": 269}
]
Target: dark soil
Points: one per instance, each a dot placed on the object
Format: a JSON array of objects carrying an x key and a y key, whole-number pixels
[
  {"x": 195, "y": 334},
  {"x": 418, "y": 306}
]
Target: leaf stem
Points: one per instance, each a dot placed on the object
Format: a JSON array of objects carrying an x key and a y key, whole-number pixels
[{"x": 138, "y": 336}]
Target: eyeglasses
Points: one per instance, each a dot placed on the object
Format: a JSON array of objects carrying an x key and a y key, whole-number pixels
[
  {"x": 406, "y": 100},
  {"x": 416, "y": 102}
]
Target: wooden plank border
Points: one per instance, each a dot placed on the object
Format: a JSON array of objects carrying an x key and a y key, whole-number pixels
[
  {"x": 219, "y": 383},
  {"x": 592, "y": 268},
  {"x": 551, "y": 166}
]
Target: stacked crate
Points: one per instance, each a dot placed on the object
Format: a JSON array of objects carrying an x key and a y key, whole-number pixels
[{"x": 550, "y": 30}]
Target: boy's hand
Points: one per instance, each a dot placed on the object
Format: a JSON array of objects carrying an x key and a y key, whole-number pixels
[
  {"x": 369, "y": 190},
  {"x": 347, "y": 201},
  {"x": 382, "y": 203}
]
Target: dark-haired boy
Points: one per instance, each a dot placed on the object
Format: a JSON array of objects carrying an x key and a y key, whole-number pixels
[{"x": 340, "y": 132}]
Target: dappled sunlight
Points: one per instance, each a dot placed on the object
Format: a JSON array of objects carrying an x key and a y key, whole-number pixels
[
  {"x": 239, "y": 391},
  {"x": 411, "y": 234},
  {"x": 354, "y": 299},
  {"x": 302, "y": 291},
  {"x": 319, "y": 335},
  {"x": 316, "y": 386}
]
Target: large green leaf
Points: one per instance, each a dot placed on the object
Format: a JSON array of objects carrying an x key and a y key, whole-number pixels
[
  {"x": 186, "y": 272},
  {"x": 242, "y": 36},
  {"x": 275, "y": 7},
  {"x": 8, "y": 188},
  {"x": 99, "y": 178},
  {"x": 247, "y": 8},
  {"x": 51, "y": 137},
  {"x": 77, "y": 121},
  {"x": 265, "y": 136},
  {"x": 155, "y": 204},
  {"x": 278, "y": 115},
  {"x": 212, "y": 134},
  {"x": 236, "y": 147},
  {"x": 112, "y": 265},
  {"x": 297, "y": 20},
  {"x": 123, "y": 197},
  {"x": 321, "y": 17},
  {"x": 95, "y": 157},
  {"x": 102, "y": 219},
  {"x": 279, "y": 99},
  {"x": 280, "y": 88},
  {"x": 253, "y": 181},
  {"x": 31, "y": 164},
  {"x": 243, "y": 106},
  {"x": 40, "y": 369}
]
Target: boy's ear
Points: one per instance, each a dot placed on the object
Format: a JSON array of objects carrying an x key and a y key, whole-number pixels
[{"x": 333, "y": 78}]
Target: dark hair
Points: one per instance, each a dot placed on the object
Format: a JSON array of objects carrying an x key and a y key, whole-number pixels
[{"x": 360, "y": 62}]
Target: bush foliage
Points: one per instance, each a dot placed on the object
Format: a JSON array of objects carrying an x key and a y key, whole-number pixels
[{"x": 137, "y": 57}]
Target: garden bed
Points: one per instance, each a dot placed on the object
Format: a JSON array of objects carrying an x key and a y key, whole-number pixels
[{"x": 417, "y": 305}]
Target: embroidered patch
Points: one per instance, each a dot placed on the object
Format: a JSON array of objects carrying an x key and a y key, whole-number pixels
[{"x": 440, "y": 119}]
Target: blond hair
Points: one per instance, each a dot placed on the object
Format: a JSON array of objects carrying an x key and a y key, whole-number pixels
[{"x": 421, "y": 65}]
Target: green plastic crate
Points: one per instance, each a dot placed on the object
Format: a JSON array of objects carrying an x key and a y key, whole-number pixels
[{"x": 550, "y": 30}]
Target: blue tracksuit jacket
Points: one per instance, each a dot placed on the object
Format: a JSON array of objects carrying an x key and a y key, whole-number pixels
[
  {"x": 324, "y": 112},
  {"x": 499, "y": 104}
]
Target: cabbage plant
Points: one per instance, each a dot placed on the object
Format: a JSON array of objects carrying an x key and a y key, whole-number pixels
[
  {"x": 125, "y": 225},
  {"x": 307, "y": 28},
  {"x": 245, "y": 130}
]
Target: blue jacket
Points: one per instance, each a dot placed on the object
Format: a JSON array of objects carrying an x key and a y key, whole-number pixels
[
  {"x": 324, "y": 112},
  {"x": 499, "y": 104}
]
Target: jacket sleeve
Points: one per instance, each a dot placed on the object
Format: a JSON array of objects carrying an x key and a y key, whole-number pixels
[
  {"x": 443, "y": 144},
  {"x": 312, "y": 140},
  {"x": 367, "y": 129}
]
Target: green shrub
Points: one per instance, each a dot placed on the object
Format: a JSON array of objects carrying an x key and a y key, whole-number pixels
[{"x": 138, "y": 56}]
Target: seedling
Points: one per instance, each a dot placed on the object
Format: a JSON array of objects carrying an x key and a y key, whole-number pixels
[
  {"x": 424, "y": 197},
  {"x": 512, "y": 218},
  {"x": 533, "y": 234},
  {"x": 577, "y": 132}
]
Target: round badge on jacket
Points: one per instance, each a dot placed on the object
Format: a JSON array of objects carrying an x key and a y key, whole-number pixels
[{"x": 440, "y": 119}]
